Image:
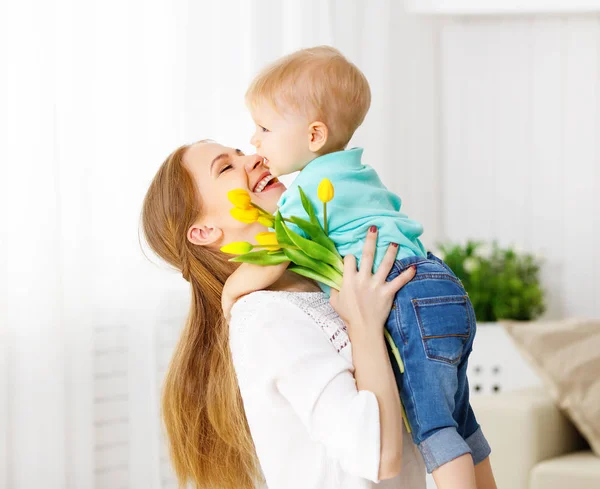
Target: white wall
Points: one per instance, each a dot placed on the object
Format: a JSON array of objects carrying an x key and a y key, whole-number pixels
[{"x": 520, "y": 158}]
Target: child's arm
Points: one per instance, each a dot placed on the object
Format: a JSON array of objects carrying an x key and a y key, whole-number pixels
[{"x": 249, "y": 278}]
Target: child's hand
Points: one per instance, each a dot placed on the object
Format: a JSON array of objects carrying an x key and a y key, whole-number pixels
[{"x": 249, "y": 278}]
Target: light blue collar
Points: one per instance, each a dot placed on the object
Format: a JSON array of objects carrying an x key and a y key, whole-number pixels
[{"x": 349, "y": 158}]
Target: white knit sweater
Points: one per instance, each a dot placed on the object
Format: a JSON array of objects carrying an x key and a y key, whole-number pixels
[{"x": 311, "y": 427}]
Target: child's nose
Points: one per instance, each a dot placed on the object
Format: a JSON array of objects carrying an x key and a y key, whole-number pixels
[{"x": 254, "y": 141}]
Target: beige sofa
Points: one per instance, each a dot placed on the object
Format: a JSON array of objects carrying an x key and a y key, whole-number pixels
[{"x": 534, "y": 446}]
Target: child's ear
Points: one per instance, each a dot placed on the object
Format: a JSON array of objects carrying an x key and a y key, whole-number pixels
[{"x": 317, "y": 136}]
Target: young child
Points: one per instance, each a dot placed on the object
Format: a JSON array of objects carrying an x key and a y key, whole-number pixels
[{"x": 306, "y": 107}]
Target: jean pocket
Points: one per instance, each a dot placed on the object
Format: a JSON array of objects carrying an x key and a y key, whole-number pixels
[{"x": 445, "y": 326}]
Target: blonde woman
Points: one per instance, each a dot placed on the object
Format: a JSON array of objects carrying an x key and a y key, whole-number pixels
[{"x": 287, "y": 392}]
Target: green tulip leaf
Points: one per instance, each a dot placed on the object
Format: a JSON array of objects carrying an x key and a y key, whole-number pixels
[
  {"x": 307, "y": 272},
  {"x": 280, "y": 231},
  {"x": 308, "y": 207},
  {"x": 262, "y": 257},
  {"x": 316, "y": 233},
  {"x": 300, "y": 258},
  {"x": 313, "y": 249}
]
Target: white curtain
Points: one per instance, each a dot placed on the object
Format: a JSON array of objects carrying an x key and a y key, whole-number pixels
[{"x": 93, "y": 96}]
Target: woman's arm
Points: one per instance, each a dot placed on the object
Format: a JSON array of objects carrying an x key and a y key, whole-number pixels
[
  {"x": 249, "y": 278},
  {"x": 364, "y": 303},
  {"x": 275, "y": 342}
]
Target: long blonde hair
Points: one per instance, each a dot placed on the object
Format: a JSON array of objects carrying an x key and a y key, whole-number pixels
[{"x": 202, "y": 409}]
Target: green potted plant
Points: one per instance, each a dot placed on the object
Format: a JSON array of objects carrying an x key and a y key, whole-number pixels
[{"x": 502, "y": 283}]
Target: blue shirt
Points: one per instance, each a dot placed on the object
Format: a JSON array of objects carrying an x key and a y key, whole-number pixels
[{"x": 360, "y": 201}]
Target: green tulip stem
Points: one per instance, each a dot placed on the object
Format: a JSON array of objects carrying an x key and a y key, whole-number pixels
[
  {"x": 262, "y": 210},
  {"x": 268, "y": 214},
  {"x": 325, "y": 217},
  {"x": 400, "y": 364},
  {"x": 281, "y": 247}
]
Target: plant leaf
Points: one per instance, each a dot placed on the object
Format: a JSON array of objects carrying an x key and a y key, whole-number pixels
[
  {"x": 263, "y": 257},
  {"x": 300, "y": 258},
  {"x": 312, "y": 248},
  {"x": 316, "y": 232},
  {"x": 307, "y": 272},
  {"x": 308, "y": 207},
  {"x": 280, "y": 232}
]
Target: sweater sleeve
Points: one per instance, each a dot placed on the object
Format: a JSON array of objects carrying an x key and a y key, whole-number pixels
[{"x": 317, "y": 382}]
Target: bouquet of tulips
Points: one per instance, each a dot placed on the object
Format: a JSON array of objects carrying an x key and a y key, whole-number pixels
[{"x": 315, "y": 257}]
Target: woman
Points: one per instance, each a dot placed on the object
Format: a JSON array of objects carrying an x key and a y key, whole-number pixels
[{"x": 279, "y": 392}]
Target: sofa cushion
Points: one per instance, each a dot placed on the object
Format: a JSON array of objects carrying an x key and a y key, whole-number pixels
[
  {"x": 566, "y": 354},
  {"x": 579, "y": 469},
  {"x": 523, "y": 428}
]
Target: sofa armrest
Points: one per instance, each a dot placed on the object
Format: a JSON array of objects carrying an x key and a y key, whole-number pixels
[{"x": 523, "y": 428}]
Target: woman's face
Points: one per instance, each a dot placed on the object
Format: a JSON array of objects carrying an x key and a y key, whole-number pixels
[{"x": 216, "y": 170}]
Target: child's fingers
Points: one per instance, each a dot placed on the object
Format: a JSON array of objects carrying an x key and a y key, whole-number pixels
[
  {"x": 226, "y": 305},
  {"x": 368, "y": 253},
  {"x": 387, "y": 263},
  {"x": 333, "y": 297},
  {"x": 402, "y": 279}
]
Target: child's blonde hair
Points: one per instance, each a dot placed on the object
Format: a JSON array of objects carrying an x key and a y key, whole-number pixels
[{"x": 321, "y": 84}]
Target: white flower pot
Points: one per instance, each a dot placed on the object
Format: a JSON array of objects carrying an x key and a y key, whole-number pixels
[{"x": 495, "y": 364}]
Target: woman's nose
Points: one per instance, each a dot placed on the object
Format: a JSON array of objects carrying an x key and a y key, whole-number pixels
[{"x": 252, "y": 162}]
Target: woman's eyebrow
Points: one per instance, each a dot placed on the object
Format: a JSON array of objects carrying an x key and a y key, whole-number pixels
[
  {"x": 223, "y": 155},
  {"x": 216, "y": 159}
]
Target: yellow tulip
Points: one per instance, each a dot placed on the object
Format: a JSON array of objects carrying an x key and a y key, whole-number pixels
[
  {"x": 266, "y": 221},
  {"x": 239, "y": 198},
  {"x": 237, "y": 248},
  {"x": 248, "y": 216},
  {"x": 267, "y": 239},
  {"x": 325, "y": 191}
]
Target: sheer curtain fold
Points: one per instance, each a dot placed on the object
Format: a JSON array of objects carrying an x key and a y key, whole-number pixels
[
  {"x": 94, "y": 95},
  {"x": 92, "y": 99}
]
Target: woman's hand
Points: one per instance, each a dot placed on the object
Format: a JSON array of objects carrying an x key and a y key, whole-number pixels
[
  {"x": 364, "y": 303},
  {"x": 366, "y": 297}
]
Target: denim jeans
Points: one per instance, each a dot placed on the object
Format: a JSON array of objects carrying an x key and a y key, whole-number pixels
[{"x": 432, "y": 323}]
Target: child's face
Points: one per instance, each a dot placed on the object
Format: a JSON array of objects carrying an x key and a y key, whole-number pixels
[{"x": 283, "y": 140}]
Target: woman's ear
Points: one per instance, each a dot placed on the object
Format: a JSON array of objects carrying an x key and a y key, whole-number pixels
[
  {"x": 204, "y": 235},
  {"x": 317, "y": 136}
]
